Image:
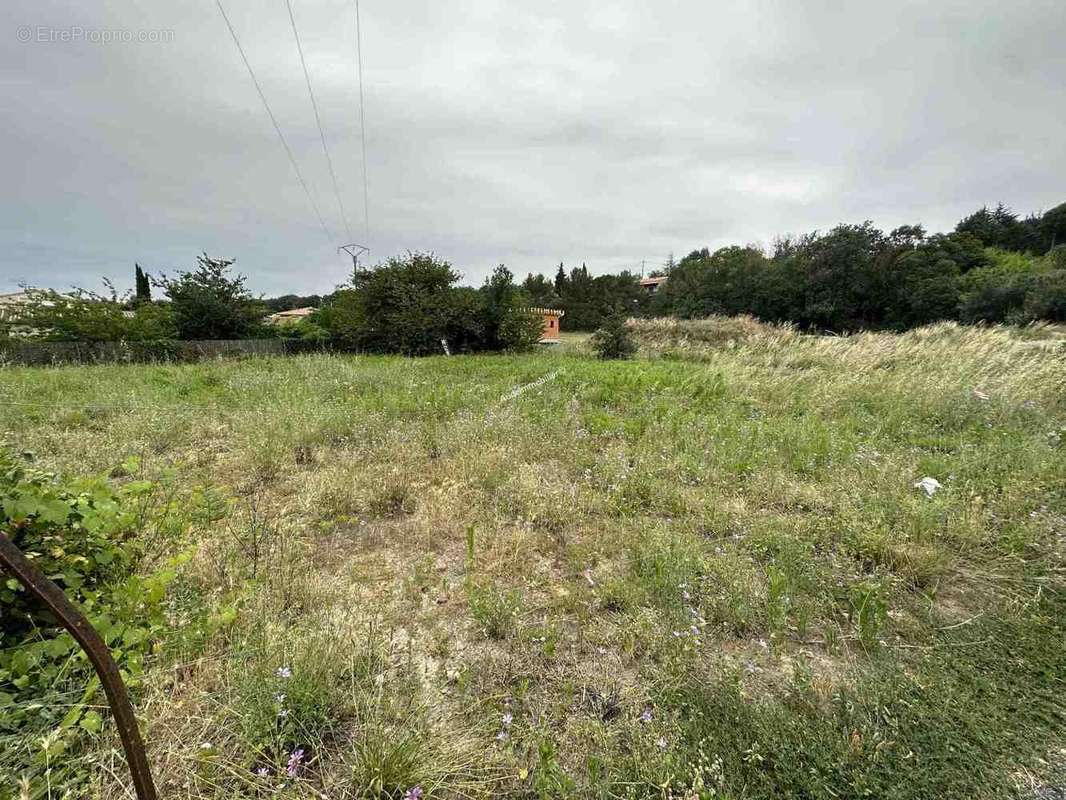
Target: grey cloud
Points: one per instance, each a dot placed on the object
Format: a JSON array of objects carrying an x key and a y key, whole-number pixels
[{"x": 521, "y": 133}]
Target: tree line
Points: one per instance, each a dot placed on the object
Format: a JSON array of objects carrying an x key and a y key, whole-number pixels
[
  {"x": 994, "y": 267},
  {"x": 411, "y": 304}
]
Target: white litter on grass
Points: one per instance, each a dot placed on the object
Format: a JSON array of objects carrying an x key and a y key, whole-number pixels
[{"x": 928, "y": 485}]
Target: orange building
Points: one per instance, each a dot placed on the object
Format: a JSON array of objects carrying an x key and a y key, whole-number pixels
[{"x": 551, "y": 318}]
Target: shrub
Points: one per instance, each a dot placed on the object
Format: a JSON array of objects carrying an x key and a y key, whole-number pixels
[
  {"x": 87, "y": 317},
  {"x": 208, "y": 303},
  {"x": 506, "y": 322},
  {"x": 83, "y": 536},
  {"x": 613, "y": 340},
  {"x": 520, "y": 330},
  {"x": 1046, "y": 297},
  {"x": 406, "y": 305}
]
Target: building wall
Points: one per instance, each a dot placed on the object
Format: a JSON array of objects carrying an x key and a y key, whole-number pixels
[{"x": 551, "y": 328}]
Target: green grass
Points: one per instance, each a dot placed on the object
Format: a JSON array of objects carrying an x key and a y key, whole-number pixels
[{"x": 724, "y": 531}]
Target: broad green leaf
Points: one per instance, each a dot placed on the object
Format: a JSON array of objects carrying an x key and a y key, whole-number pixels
[{"x": 92, "y": 722}]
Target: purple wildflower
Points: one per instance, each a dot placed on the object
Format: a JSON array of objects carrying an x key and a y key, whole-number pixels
[
  {"x": 502, "y": 736},
  {"x": 508, "y": 718},
  {"x": 414, "y": 793},
  {"x": 295, "y": 760},
  {"x": 645, "y": 715},
  {"x": 283, "y": 672}
]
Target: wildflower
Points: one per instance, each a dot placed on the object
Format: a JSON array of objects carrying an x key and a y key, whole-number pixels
[
  {"x": 262, "y": 772},
  {"x": 508, "y": 718},
  {"x": 645, "y": 715},
  {"x": 661, "y": 742},
  {"x": 414, "y": 793},
  {"x": 283, "y": 672},
  {"x": 502, "y": 736},
  {"x": 279, "y": 698},
  {"x": 295, "y": 760}
]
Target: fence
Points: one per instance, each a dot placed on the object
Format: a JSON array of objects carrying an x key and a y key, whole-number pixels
[{"x": 24, "y": 353}]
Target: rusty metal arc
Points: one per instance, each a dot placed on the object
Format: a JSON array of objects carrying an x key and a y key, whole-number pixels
[{"x": 14, "y": 561}]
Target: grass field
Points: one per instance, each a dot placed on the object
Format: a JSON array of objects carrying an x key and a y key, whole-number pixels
[{"x": 703, "y": 573}]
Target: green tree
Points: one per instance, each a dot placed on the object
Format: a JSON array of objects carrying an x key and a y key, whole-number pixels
[
  {"x": 406, "y": 305},
  {"x": 1045, "y": 298},
  {"x": 210, "y": 303},
  {"x": 1001, "y": 228},
  {"x": 142, "y": 286},
  {"x": 924, "y": 287},
  {"x": 613, "y": 340},
  {"x": 560, "y": 280},
  {"x": 1052, "y": 227},
  {"x": 578, "y": 300},
  {"x": 540, "y": 291},
  {"x": 997, "y": 291},
  {"x": 508, "y": 323},
  {"x": 520, "y": 330},
  {"x": 841, "y": 280}
]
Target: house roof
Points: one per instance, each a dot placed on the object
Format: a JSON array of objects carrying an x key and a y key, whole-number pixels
[
  {"x": 653, "y": 281},
  {"x": 293, "y": 313}
]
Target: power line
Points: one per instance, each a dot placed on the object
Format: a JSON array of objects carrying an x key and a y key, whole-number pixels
[
  {"x": 273, "y": 119},
  {"x": 362, "y": 122},
  {"x": 318, "y": 120}
]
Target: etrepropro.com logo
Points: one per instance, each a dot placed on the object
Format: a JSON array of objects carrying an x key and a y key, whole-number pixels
[{"x": 47, "y": 34}]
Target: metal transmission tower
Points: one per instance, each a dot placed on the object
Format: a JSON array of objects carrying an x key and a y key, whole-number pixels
[{"x": 354, "y": 250}]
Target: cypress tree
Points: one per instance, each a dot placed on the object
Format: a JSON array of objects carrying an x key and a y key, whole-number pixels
[{"x": 143, "y": 289}]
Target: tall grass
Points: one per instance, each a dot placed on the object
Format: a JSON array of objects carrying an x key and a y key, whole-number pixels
[{"x": 705, "y": 572}]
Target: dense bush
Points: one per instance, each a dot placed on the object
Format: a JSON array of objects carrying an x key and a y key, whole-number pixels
[
  {"x": 209, "y": 303},
  {"x": 85, "y": 317},
  {"x": 507, "y": 322},
  {"x": 613, "y": 340},
  {"x": 82, "y": 535},
  {"x": 409, "y": 305}
]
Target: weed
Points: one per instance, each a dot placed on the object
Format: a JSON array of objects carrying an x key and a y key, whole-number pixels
[{"x": 496, "y": 611}]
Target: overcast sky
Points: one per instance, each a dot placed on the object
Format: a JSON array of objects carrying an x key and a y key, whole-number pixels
[{"x": 517, "y": 132}]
